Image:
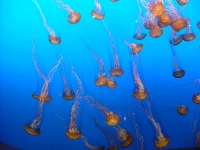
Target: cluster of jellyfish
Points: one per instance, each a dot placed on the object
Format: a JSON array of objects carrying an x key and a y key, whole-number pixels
[{"x": 157, "y": 17}]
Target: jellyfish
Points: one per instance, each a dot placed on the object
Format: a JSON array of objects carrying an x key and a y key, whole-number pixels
[
  {"x": 182, "y": 2},
  {"x": 189, "y": 36},
  {"x": 177, "y": 73},
  {"x": 74, "y": 17},
  {"x": 126, "y": 138},
  {"x": 91, "y": 146},
  {"x": 52, "y": 38},
  {"x": 182, "y": 110},
  {"x": 198, "y": 25},
  {"x": 178, "y": 22},
  {"x": 139, "y": 35},
  {"x": 196, "y": 133},
  {"x": 114, "y": 0},
  {"x": 33, "y": 128},
  {"x": 139, "y": 93},
  {"x": 155, "y": 30},
  {"x": 116, "y": 71},
  {"x": 134, "y": 48},
  {"x": 176, "y": 39},
  {"x": 111, "y": 118},
  {"x": 110, "y": 82},
  {"x": 73, "y": 133},
  {"x": 196, "y": 98},
  {"x": 165, "y": 20},
  {"x": 161, "y": 141},
  {"x": 97, "y": 13}
]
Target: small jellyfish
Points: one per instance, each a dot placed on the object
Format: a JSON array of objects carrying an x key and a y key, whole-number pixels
[
  {"x": 33, "y": 128},
  {"x": 182, "y": 2},
  {"x": 126, "y": 138},
  {"x": 97, "y": 13},
  {"x": 176, "y": 39},
  {"x": 90, "y": 146},
  {"x": 134, "y": 48},
  {"x": 182, "y": 110},
  {"x": 196, "y": 98},
  {"x": 73, "y": 133},
  {"x": 155, "y": 30},
  {"x": 198, "y": 25},
  {"x": 74, "y": 17},
  {"x": 189, "y": 36},
  {"x": 117, "y": 70},
  {"x": 110, "y": 82},
  {"x": 111, "y": 119},
  {"x": 52, "y": 38},
  {"x": 114, "y": 0}
]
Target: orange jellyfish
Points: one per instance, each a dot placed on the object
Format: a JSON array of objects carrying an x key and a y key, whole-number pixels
[
  {"x": 33, "y": 128},
  {"x": 182, "y": 2},
  {"x": 91, "y": 146},
  {"x": 111, "y": 119},
  {"x": 178, "y": 22},
  {"x": 110, "y": 82},
  {"x": 161, "y": 141},
  {"x": 126, "y": 138},
  {"x": 164, "y": 20},
  {"x": 117, "y": 70},
  {"x": 198, "y": 25},
  {"x": 182, "y": 110},
  {"x": 155, "y": 30},
  {"x": 134, "y": 48},
  {"x": 52, "y": 38},
  {"x": 74, "y": 17},
  {"x": 97, "y": 13},
  {"x": 73, "y": 133},
  {"x": 178, "y": 72},
  {"x": 139, "y": 93},
  {"x": 139, "y": 35},
  {"x": 189, "y": 36},
  {"x": 196, "y": 98},
  {"x": 176, "y": 39}
]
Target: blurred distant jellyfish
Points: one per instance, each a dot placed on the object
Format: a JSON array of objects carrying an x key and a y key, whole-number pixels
[
  {"x": 117, "y": 70},
  {"x": 139, "y": 92},
  {"x": 182, "y": 110},
  {"x": 178, "y": 22},
  {"x": 33, "y": 128},
  {"x": 196, "y": 132},
  {"x": 139, "y": 35},
  {"x": 73, "y": 133},
  {"x": 176, "y": 39},
  {"x": 182, "y": 2},
  {"x": 198, "y": 25},
  {"x": 97, "y": 12},
  {"x": 110, "y": 82},
  {"x": 74, "y": 17},
  {"x": 91, "y": 146},
  {"x": 52, "y": 38},
  {"x": 196, "y": 98},
  {"x": 114, "y": 0},
  {"x": 111, "y": 119},
  {"x": 134, "y": 48},
  {"x": 189, "y": 36},
  {"x": 161, "y": 141},
  {"x": 126, "y": 138}
]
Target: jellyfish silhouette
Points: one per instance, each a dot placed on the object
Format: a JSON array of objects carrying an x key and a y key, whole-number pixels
[
  {"x": 74, "y": 17},
  {"x": 52, "y": 38},
  {"x": 33, "y": 128}
]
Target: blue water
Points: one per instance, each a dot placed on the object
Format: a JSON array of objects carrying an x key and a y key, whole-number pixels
[{"x": 21, "y": 21}]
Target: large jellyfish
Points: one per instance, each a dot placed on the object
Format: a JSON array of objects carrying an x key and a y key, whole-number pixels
[
  {"x": 73, "y": 133},
  {"x": 117, "y": 70},
  {"x": 161, "y": 141},
  {"x": 139, "y": 93},
  {"x": 177, "y": 73},
  {"x": 134, "y": 48},
  {"x": 33, "y": 128},
  {"x": 111, "y": 119},
  {"x": 126, "y": 138},
  {"x": 52, "y": 38},
  {"x": 74, "y": 17},
  {"x": 91, "y": 146},
  {"x": 97, "y": 12}
]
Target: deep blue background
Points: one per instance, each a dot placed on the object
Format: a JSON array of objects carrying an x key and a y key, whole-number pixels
[{"x": 20, "y": 20}]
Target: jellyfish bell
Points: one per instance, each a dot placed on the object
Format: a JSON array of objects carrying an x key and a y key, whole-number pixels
[
  {"x": 116, "y": 72},
  {"x": 31, "y": 130},
  {"x": 182, "y": 110},
  {"x": 136, "y": 48},
  {"x": 196, "y": 98},
  {"x": 189, "y": 36},
  {"x": 165, "y": 19},
  {"x": 100, "y": 81},
  {"x": 157, "y": 9},
  {"x": 162, "y": 143},
  {"x": 139, "y": 36},
  {"x": 44, "y": 98},
  {"x": 112, "y": 119},
  {"x": 54, "y": 40},
  {"x": 69, "y": 95},
  {"x": 155, "y": 32},
  {"x": 74, "y": 17},
  {"x": 96, "y": 15},
  {"x": 110, "y": 83},
  {"x": 140, "y": 95},
  {"x": 129, "y": 140},
  {"x": 147, "y": 25},
  {"x": 160, "y": 24},
  {"x": 176, "y": 40},
  {"x": 182, "y": 2},
  {"x": 73, "y": 133},
  {"x": 178, "y": 74},
  {"x": 179, "y": 24}
]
